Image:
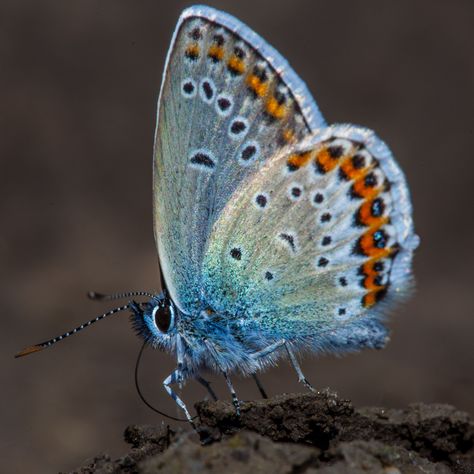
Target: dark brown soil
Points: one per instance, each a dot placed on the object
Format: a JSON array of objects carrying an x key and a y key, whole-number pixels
[{"x": 303, "y": 433}]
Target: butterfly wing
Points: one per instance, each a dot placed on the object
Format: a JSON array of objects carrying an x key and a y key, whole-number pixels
[
  {"x": 228, "y": 102},
  {"x": 315, "y": 240}
]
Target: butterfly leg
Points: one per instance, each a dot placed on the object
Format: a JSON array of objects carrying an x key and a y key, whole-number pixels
[
  {"x": 207, "y": 386},
  {"x": 235, "y": 400},
  {"x": 262, "y": 391},
  {"x": 296, "y": 366},
  {"x": 268, "y": 350},
  {"x": 262, "y": 353},
  {"x": 213, "y": 352},
  {"x": 176, "y": 377}
]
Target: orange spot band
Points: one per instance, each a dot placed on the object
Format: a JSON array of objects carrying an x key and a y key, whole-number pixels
[
  {"x": 325, "y": 161},
  {"x": 363, "y": 191},
  {"x": 256, "y": 85},
  {"x": 275, "y": 109},
  {"x": 366, "y": 217},
  {"x": 368, "y": 247},
  {"x": 288, "y": 135},
  {"x": 236, "y": 65},
  {"x": 300, "y": 159},
  {"x": 192, "y": 51},
  {"x": 350, "y": 172},
  {"x": 216, "y": 52}
]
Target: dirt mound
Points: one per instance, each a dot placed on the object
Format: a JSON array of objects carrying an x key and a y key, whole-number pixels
[{"x": 303, "y": 433}]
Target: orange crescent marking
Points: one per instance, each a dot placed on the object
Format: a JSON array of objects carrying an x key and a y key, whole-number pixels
[
  {"x": 368, "y": 267},
  {"x": 368, "y": 247},
  {"x": 275, "y": 109},
  {"x": 288, "y": 135},
  {"x": 300, "y": 159},
  {"x": 236, "y": 64},
  {"x": 366, "y": 217},
  {"x": 369, "y": 283},
  {"x": 216, "y": 52},
  {"x": 326, "y": 161},
  {"x": 260, "y": 88},
  {"x": 369, "y": 299},
  {"x": 192, "y": 50},
  {"x": 363, "y": 191},
  {"x": 351, "y": 172},
  {"x": 356, "y": 174}
]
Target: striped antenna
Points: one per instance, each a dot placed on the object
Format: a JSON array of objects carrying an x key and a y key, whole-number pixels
[
  {"x": 93, "y": 295},
  {"x": 43, "y": 345}
]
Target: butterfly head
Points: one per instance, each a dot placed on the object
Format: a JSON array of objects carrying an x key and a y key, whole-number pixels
[{"x": 155, "y": 321}]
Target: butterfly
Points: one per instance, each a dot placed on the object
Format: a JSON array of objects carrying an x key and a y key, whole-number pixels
[{"x": 276, "y": 232}]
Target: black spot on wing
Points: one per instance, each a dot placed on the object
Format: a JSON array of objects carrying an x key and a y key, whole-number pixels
[
  {"x": 326, "y": 217},
  {"x": 378, "y": 207},
  {"x": 318, "y": 198},
  {"x": 223, "y": 103},
  {"x": 268, "y": 276},
  {"x": 322, "y": 262},
  {"x": 208, "y": 90},
  {"x": 188, "y": 88},
  {"x": 370, "y": 180},
  {"x": 289, "y": 239},
  {"x": 248, "y": 152},
  {"x": 236, "y": 253},
  {"x": 335, "y": 151},
  {"x": 379, "y": 266},
  {"x": 202, "y": 159},
  {"x": 358, "y": 162},
  {"x": 380, "y": 238},
  {"x": 261, "y": 200},
  {"x": 343, "y": 281},
  {"x": 195, "y": 34},
  {"x": 218, "y": 39},
  {"x": 239, "y": 52},
  {"x": 237, "y": 127},
  {"x": 296, "y": 191},
  {"x": 326, "y": 240}
]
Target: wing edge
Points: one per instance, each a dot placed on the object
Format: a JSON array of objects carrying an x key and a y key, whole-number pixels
[{"x": 299, "y": 89}]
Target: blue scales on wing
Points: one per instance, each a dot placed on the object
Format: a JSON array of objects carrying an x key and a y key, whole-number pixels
[
  {"x": 228, "y": 103},
  {"x": 314, "y": 246}
]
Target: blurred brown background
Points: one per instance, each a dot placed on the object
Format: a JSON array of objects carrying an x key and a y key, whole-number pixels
[{"x": 79, "y": 82}]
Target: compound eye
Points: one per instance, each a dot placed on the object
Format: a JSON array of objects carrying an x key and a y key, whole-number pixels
[{"x": 163, "y": 318}]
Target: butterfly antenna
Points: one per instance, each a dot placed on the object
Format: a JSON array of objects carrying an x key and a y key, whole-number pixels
[
  {"x": 140, "y": 394},
  {"x": 93, "y": 295},
  {"x": 43, "y": 345}
]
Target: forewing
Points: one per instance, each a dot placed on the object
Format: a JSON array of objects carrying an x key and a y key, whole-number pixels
[
  {"x": 316, "y": 240},
  {"x": 228, "y": 102}
]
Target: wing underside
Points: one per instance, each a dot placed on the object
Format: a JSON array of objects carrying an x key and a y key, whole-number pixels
[
  {"x": 317, "y": 239},
  {"x": 228, "y": 102}
]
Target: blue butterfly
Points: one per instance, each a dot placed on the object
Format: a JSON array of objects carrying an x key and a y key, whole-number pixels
[{"x": 276, "y": 232}]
